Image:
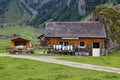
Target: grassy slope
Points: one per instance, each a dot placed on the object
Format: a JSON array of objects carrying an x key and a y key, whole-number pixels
[
  {"x": 26, "y": 32},
  {"x": 113, "y": 60},
  {"x": 13, "y": 14},
  {"x": 21, "y": 69},
  {"x": 111, "y": 17}
]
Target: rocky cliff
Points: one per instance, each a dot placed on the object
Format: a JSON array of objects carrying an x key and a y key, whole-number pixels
[{"x": 110, "y": 17}]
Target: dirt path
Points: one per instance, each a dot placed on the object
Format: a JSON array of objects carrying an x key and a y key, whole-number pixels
[{"x": 51, "y": 59}]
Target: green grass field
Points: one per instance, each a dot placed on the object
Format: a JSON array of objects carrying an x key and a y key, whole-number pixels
[
  {"x": 22, "y": 69},
  {"x": 113, "y": 60}
]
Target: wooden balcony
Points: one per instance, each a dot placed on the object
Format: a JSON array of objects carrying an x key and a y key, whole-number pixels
[{"x": 74, "y": 50}]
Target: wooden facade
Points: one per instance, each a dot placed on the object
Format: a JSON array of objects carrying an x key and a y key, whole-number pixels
[
  {"x": 87, "y": 42},
  {"x": 82, "y": 35},
  {"x": 20, "y": 45},
  {"x": 20, "y": 42}
]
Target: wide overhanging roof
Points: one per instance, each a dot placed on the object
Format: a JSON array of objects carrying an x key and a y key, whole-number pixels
[{"x": 75, "y": 30}]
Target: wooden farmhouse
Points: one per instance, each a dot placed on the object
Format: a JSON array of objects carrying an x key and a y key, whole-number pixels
[
  {"x": 81, "y": 38},
  {"x": 20, "y": 45}
]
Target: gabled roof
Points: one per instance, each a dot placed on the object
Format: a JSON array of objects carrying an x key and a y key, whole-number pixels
[
  {"x": 75, "y": 29},
  {"x": 19, "y": 39},
  {"x": 40, "y": 36}
]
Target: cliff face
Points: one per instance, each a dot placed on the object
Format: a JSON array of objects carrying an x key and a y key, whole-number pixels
[
  {"x": 36, "y": 12},
  {"x": 81, "y": 7}
]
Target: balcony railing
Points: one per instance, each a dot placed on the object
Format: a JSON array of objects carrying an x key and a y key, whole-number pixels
[{"x": 68, "y": 49}]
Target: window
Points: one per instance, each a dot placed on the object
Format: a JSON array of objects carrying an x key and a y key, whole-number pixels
[
  {"x": 81, "y": 43},
  {"x": 63, "y": 43},
  {"x": 96, "y": 45}
]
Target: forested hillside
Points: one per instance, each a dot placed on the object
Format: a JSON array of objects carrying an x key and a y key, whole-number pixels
[
  {"x": 3, "y": 6},
  {"x": 36, "y": 12},
  {"x": 13, "y": 12},
  {"x": 65, "y": 10}
]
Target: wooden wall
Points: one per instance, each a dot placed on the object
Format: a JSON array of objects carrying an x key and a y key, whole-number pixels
[
  {"x": 87, "y": 41},
  {"x": 13, "y": 43}
]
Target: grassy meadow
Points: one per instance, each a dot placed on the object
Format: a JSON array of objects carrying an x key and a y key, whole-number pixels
[
  {"x": 22, "y": 69},
  {"x": 112, "y": 60}
]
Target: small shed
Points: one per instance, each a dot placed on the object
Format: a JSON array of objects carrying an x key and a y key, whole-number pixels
[
  {"x": 89, "y": 35},
  {"x": 21, "y": 45}
]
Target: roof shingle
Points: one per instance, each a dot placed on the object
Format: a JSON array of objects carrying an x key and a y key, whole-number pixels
[{"x": 75, "y": 29}]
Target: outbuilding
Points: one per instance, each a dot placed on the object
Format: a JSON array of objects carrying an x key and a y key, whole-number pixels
[{"x": 21, "y": 45}]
